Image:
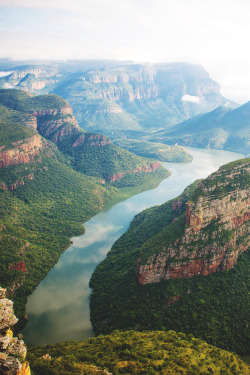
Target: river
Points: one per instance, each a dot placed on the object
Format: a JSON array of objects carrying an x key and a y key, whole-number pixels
[{"x": 58, "y": 310}]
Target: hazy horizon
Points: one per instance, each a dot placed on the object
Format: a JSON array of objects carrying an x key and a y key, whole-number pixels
[{"x": 213, "y": 34}]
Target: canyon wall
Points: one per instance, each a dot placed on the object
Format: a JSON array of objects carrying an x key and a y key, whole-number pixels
[{"x": 215, "y": 234}]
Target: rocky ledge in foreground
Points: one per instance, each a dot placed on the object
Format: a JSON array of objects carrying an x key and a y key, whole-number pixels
[{"x": 12, "y": 349}]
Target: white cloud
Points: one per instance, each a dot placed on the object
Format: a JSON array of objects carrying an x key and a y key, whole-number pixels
[
  {"x": 214, "y": 34},
  {"x": 190, "y": 98}
]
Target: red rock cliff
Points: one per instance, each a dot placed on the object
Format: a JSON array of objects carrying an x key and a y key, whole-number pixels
[
  {"x": 22, "y": 151},
  {"x": 216, "y": 233}
]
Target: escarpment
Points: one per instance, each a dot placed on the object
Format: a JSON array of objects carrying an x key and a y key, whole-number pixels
[
  {"x": 23, "y": 151},
  {"x": 50, "y": 123},
  {"x": 12, "y": 349},
  {"x": 215, "y": 234}
]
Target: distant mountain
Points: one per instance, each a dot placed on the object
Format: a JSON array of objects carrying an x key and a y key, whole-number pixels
[
  {"x": 183, "y": 265},
  {"x": 111, "y": 97},
  {"x": 222, "y": 128},
  {"x": 92, "y": 154}
]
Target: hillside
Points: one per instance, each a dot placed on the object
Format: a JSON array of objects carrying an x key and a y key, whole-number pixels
[
  {"x": 43, "y": 202},
  {"x": 47, "y": 190},
  {"x": 121, "y": 352},
  {"x": 92, "y": 154},
  {"x": 158, "y": 151},
  {"x": 183, "y": 265},
  {"x": 221, "y": 129},
  {"x": 133, "y": 352},
  {"x": 110, "y": 97}
]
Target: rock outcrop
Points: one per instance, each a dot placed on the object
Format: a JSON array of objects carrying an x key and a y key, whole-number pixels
[
  {"x": 23, "y": 151},
  {"x": 51, "y": 123},
  {"x": 215, "y": 234},
  {"x": 151, "y": 167},
  {"x": 12, "y": 349}
]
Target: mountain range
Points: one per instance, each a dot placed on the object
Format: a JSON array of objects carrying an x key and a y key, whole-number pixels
[{"x": 114, "y": 98}]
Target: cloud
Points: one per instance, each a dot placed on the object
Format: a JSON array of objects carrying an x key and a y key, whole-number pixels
[
  {"x": 213, "y": 34},
  {"x": 190, "y": 98}
]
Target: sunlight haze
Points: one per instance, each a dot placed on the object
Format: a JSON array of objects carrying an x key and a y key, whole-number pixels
[{"x": 211, "y": 33}]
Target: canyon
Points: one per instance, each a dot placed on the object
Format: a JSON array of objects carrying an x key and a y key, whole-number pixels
[
  {"x": 183, "y": 264},
  {"x": 215, "y": 234},
  {"x": 110, "y": 97}
]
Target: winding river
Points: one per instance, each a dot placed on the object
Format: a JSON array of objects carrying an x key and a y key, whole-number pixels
[{"x": 58, "y": 310}]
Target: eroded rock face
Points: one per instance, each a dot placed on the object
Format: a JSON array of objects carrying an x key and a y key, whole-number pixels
[
  {"x": 216, "y": 232},
  {"x": 145, "y": 168},
  {"x": 52, "y": 123},
  {"x": 22, "y": 152},
  {"x": 12, "y": 350},
  {"x": 7, "y": 317}
]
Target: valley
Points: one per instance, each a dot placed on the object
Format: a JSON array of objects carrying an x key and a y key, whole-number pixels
[
  {"x": 183, "y": 265},
  {"x": 59, "y": 308},
  {"x": 53, "y": 177},
  {"x": 102, "y": 143}
]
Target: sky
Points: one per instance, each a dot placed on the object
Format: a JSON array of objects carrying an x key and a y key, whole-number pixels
[{"x": 213, "y": 33}]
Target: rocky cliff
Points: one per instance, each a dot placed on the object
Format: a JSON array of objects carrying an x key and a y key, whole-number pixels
[
  {"x": 110, "y": 97},
  {"x": 23, "y": 151},
  {"x": 183, "y": 265},
  {"x": 31, "y": 78},
  {"x": 215, "y": 234},
  {"x": 49, "y": 117},
  {"x": 12, "y": 349}
]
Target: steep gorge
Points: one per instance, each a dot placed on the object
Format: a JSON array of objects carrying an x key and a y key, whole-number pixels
[
  {"x": 183, "y": 265},
  {"x": 215, "y": 234}
]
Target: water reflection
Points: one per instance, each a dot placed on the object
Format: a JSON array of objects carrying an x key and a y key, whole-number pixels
[{"x": 59, "y": 308}]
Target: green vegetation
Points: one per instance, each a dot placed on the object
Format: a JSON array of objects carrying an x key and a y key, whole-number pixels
[
  {"x": 25, "y": 102},
  {"x": 214, "y": 307},
  {"x": 133, "y": 352},
  {"x": 38, "y": 218},
  {"x": 157, "y": 151},
  {"x": 107, "y": 160},
  {"x": 221, "y": 129},
  {"x": 90, "y": 153},
  {"x": 13, "y": 120},
  {"x": 46, "y": 195}
]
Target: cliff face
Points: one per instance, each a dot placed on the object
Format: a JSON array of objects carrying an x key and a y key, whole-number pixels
[
  {"x": 52, "y": 123},
  {"x": 23, "y": 151},
  {"x": 215, "y": 234},
  {"x": 151, "y": 167},
  {"x": 12, "y": 349},
  {"x": 154, "y": 81},
  {"x": 124, "y": 96},
  {"x": 32, "y": 79}
]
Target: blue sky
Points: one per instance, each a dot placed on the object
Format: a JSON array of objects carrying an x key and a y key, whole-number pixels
[{"x": 212, "y": 33}]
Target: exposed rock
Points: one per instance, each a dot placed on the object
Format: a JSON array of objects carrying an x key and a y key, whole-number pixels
[
  {"x": 145, "y": 168},
  {"x": 7, "y": 317},
  {"x": 11, "y": 366},
  {"x": 176, "y": 205},
  {"x": 12, "y": 350},
  {"x": 22, "y": 151},
  {"x": 216, "y": 232},
  {"x": 20, "y": 266}
]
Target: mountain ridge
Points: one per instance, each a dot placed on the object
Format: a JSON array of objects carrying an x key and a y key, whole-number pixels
[
  {"x": 223, "y": 128},
  {"x": 154, "y": 275}
]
